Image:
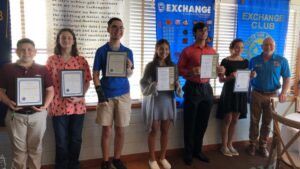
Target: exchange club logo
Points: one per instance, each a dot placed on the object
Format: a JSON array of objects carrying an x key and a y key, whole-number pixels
[
  {"x": 253, "y": 44},
  {"x": 161, "y": 7}
]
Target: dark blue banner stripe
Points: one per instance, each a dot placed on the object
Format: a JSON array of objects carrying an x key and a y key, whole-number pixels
[{"x": 5, "y": 44}]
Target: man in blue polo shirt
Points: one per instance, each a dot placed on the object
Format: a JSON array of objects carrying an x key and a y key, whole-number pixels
[
  {"x": 267, "y": 69},
  {"x": 113, "y": 95}
]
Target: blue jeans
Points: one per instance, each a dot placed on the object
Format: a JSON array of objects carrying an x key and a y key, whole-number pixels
[{"x": 68, "y": 130}]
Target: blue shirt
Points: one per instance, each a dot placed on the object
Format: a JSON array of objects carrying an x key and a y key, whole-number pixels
[
  {"x": 268, "y": 73},
  {"x": 112, "y": 86}
]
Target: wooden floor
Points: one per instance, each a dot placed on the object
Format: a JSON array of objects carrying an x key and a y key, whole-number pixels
[{"x": 218, "y": 161}]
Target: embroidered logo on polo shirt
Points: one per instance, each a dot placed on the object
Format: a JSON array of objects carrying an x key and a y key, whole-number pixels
[{"x": 276, "y": 63}]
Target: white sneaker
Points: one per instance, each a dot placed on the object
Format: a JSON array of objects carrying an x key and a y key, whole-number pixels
[
  {"x": 233, "y": 151},
  {"x": 225, "y": 151},
  {"x": 165, "y": 163},
  {"x": 153, "y": 165}
]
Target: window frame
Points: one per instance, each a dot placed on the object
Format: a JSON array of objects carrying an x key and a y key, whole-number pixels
[{"x": 142, "y": 30}]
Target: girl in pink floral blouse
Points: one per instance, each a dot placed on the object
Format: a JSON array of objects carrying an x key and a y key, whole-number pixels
[{"x": 67, "y": 112}]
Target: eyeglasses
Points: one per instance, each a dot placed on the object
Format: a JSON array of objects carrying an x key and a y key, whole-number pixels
[{"x": 114, "y": 28}]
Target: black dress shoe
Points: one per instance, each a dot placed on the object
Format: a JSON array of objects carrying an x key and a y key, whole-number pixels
[
  {"x": 202, "y": 157},
  {"x": 188, "y": 161}
]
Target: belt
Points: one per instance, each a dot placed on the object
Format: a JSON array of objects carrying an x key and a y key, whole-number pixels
[
  {"x": 266, "y": 92},
  {"x": 28, "y": 112}
]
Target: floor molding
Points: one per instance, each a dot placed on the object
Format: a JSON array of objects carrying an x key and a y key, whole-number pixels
[{"x": 142, "y": 156}]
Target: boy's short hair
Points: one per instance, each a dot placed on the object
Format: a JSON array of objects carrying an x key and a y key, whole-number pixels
[
  {"x": 111, "y": 20},
  {"x": 199, "y": 25},
  {"x": 25, "y": 40}
]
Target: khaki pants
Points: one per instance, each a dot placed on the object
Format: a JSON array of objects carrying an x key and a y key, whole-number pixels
[
  {"x": 26, "y": 134},
  {"x": 117, "y": 111},
  {"x": 260, "y": 107}
]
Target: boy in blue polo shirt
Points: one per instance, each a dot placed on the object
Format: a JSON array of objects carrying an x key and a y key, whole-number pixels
[
  {"x": 268, "y": 68},
  {"x": 113, "y": 95}
]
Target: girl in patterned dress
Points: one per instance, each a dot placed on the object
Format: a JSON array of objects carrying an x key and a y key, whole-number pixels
[{"x": 67, "y": 112}]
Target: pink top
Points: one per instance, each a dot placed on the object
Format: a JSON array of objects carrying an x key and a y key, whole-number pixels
[
  {"x": 61, "y": 106},
  {"x": 191, "y": 57}
]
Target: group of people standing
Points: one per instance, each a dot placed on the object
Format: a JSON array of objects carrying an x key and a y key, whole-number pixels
[
  {"x": 27, "y": 125},
  {"x": 266, "y": 71}
]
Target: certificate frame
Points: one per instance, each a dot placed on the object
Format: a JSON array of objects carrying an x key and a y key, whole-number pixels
[
  {"x": 29, "y": 91},
  {"x": 72, "y": 83},
  {"x": 116, "y": 65},
  {"x": 208, "y": 66},
  {"x": 160, "y": 72},
  {"x": 242, "y": 86}
]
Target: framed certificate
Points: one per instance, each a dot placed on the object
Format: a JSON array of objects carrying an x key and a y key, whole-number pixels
[
  {"x": 116, "y": 64},
  {"x": 208, "y": 66},
  {"x": 165, "y": 78},
  {"x": 242, "y": 81},
  {"x": 72, "y": 83},
  {"x": 29, "y": 91}
]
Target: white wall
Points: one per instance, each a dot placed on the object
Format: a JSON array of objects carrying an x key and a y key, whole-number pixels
[{"x": 136, "y": 136}]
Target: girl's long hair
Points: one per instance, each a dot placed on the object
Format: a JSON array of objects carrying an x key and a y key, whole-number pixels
[
  {"x": 155, "y": 61},
  {"x": 58, "y": 48},
  {"x": 156, "y": 58}
]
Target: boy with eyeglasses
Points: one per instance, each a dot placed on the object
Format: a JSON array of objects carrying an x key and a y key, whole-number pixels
[{"x": 114, "y": 102}]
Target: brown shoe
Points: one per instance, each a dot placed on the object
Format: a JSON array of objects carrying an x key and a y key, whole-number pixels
[
  {"x": 251, "y": 150},
  {"x": 264, "y": 151}
]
